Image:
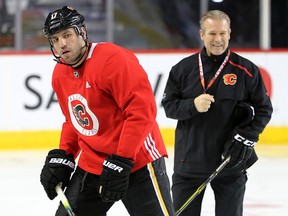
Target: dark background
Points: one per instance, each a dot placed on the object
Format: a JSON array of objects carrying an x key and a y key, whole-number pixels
[{"x": 145, "y": 24}]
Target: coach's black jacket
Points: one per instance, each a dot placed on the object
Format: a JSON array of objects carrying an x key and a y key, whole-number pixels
[{"x": 200, "y": 137}]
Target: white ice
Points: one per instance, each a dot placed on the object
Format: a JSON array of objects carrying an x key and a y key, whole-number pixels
[{"x": 22, "y": 194}]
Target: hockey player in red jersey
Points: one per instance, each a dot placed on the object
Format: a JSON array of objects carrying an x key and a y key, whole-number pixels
[{"x": 110, "y": 113}]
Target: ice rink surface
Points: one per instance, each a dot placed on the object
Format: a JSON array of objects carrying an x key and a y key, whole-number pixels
[{"x": 22, "y": 194}]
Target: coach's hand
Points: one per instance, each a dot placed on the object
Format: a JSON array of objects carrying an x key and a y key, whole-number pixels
[
  {"x": 114, "y": 179},
  {"x": 203, "y": 102},
  {"x": 57, "y": 168},
  {"x": 239, "y": 147}
]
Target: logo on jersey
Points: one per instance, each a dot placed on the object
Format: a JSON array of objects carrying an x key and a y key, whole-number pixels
[
  {"x": 82, "y": 118},
  {"x": 76, "y": 74},
  {"x": 230, "y": 79},
  {"x": 88, "y": 85}
]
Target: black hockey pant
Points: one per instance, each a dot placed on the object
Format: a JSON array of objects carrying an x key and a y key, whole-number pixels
[
  {"x": 228, "y": 191},
  {"x": 148, "y": 193}
]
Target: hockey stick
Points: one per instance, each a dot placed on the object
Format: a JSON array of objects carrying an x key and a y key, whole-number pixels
[
  {"x": 64, "y": 199},
  {"x": 203, "y": 185}
]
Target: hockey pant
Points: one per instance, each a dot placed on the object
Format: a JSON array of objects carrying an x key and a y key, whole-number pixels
[
  {"x": 228, "y": 191},
  {"x": 148, "y": 193}
]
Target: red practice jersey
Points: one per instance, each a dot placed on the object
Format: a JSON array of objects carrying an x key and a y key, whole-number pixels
[{"x": 109, "y": 108}]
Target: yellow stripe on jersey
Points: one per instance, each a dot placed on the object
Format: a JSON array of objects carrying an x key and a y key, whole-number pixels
[{"x": 157, "y": 189}]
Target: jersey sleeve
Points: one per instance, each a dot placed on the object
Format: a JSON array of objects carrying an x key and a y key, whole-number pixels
[
  {"x": 127, "y": 82},
  {"x": 69, "y": 140},
  {"x": 259, "y": 99},
  {"x": 175, "y": 105}
]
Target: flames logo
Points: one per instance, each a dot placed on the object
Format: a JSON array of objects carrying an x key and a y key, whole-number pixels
[{"x": 230, "y": 79}]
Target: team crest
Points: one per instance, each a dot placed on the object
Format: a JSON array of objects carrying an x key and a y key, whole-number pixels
[
  {"x": 230, "y": 79},
  {"x": 82, "y": 118}
]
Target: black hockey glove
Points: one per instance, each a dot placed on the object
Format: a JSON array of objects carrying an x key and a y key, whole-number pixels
[
  {"x": 239, "y": 147},
  {"x": 244, "y": 114},
  {"x": 57, "y": 168},
  {"x": 114, "y": 179}
]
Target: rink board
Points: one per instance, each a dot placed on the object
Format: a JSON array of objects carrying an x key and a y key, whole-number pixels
[{"x": 50, "y": 139}]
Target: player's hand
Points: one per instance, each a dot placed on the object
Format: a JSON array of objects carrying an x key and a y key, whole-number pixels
[
  {"x": 239, "y": 148},
  {"x": 57, "y": 168},
  {"x": 114, "y": 179},
  {"x": 203, "y": 102}
]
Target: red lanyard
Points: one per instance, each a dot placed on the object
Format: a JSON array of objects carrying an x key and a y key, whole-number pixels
[{"x": 216, "y": 74}]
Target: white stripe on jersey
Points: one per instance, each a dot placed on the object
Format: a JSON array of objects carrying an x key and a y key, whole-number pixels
[
  {"x": 91, "y": 50},
  {"x": 151, "y": 147}
]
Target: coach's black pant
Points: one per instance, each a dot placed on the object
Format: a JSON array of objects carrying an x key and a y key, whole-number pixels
[
  {"x": 148, "y": 193},
  {"x": 228, "y": 191}
]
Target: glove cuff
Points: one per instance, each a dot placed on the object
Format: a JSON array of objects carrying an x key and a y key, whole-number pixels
[
  {"x": 59, "y": 158},
  {"x": 245, "y": 141},
  {"x": 118, "y": 165}
]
